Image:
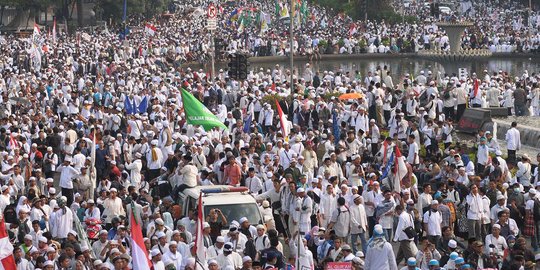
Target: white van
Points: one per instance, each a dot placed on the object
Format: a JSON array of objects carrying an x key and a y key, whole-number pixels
[{"x": 234, "y": 202}]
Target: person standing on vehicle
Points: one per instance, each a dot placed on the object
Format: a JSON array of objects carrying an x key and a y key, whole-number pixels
[
  {"x": 189, "y": 174},
  {"x": 232, "y": 172},
  {"x": 154, "y": 158},
  {"x": 135, "y": 168}
]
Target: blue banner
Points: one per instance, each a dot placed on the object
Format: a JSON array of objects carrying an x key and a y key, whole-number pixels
[{"x": 335, "y": 126}]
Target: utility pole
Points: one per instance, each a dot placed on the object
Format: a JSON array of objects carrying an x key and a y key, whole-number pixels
[
  {"x": 212, "y": 55},
  {"x": 291, "y": 37}
]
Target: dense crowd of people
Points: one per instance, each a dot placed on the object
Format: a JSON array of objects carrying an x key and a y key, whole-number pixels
[
  {"x": 365, "y": 167},
  {"x": 259, "y": 29}
]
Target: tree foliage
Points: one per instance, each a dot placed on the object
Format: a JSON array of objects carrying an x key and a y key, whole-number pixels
[
  {"x": 114, "y": 9},
  {"x": 27, "y": 4},
  {"x": 358, "y": 9}
]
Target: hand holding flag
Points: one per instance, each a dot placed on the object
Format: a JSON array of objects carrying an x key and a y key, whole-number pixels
[{"x": 198, "y": 114}]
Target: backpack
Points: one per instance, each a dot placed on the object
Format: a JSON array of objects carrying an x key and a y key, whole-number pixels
[
  {"x": 264, "y": 238},
  {"x": 452, "y": 208},
  {"x": 339, "y": 211},
  {"x": 249, "y": 249}
]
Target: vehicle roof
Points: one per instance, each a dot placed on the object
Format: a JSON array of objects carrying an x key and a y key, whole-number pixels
[{"x": 219, "y": 198}]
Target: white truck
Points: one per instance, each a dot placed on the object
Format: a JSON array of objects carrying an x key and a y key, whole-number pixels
[{"x": 233, "y": 202}]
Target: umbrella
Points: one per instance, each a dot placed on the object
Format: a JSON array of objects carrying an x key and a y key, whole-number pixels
[{"x": 351, "y": 96}]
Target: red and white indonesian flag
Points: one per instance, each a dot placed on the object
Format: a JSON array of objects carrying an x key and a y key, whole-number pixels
[
  {"x": 6, "y": 249},
  {"x": 401, "y": 170},
  {"x": 36, "y": 30},
  {"x": 54, "y": 31},
  {"x": 476, "y": 86},
  {"x": 199, "y": 240},
  {"x": 139, "y": 253},
  {"x": 282, "y": 121},
  {"x": 150, "y": 29},
  {"x": 352, "y": 29},
  {"x": 12, "y": 142}
]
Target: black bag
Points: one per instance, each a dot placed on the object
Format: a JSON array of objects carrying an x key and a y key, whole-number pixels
[
  {"x": 444, "y": 136},
  {"x": 410, "y": 232},
  {"x": 276, "y": 205},
  {"x": 249, "y": 249}
]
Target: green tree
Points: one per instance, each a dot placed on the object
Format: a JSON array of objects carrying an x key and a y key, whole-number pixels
[
  {"x": 114, "y": 9},
  {"x": 27, "y": 10},
  {"x": 32, "y": 5},
  {"x": 360, "y": 9}
]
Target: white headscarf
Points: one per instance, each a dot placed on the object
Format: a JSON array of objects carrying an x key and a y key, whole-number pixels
[{"x": 22, "y": 205}]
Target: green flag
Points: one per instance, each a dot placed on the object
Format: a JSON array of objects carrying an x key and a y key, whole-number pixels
[
  {"x": 304, "y": 10},
  {"x": 198, "y": 114}
]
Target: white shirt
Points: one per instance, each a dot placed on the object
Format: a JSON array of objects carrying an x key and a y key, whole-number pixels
[
  {"x": 482, "y": 154},
  {"x": 154, "y": 164},
  {"x": 135, "y": 171},
  {"x": 371, "y": 197},
  {"x": 67, "y": 175},
  {"x": 253, "y": 184},
  {"x": 513, "y": 139},
  {"x": 495, "y": 210},
  {"x": 327, "y": 205},
  {"x": 405, "y": 221},
  {"x": 412, "y": 157},
  {"x": 433, "y": 221},
  {"x": 358, "y": 218},
  {"x": 233, "y": 260},
  {"x": 158, "y": 265},
  {"x": 173, "y": 257},
  {"x": 383, "y": 258},
  {"x": 524, "y": 173},
  {"x": 61, "y": 223},
  {"x": 342, "y": 221},
  {"x": 113, "y": 207},
  {"x": 498, "y": 242},
  {"x": 189, "y": 175},
  {"x": 476, "y": 207},
  {"x": 213, "y": 252}
]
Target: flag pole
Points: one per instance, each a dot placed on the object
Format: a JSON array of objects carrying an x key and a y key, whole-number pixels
[
  {"x": 299, "y": 237},
  {"x": 291, "y": 40},
  {"x": 212, "y": 56}
]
